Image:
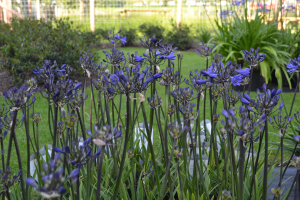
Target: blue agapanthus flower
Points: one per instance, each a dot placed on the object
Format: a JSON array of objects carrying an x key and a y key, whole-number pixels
[
  {"x": 220, "y": 74},
  {"x": 265, "y": 101},
  {"x": 252, "y": 57},
  {"x": 53, "y": 180},
  {"x": 294, "y": 65}
]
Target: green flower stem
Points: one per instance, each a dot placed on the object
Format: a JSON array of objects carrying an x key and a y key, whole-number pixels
[
  {"x": 167, "y": 91},
  {"x": 168, "y": 170},
  {"x": 241, "y": 169},
  {"x": 250, "y": 82},
  {"x": 281, "y": 163},
  {"x": 54, "y": 130},
  {"x": 28, "y": 147},
  {"x": 160, "y": 133},
  {"x": 230, "y": 145},
  {"x": 49, "y": 119},
  {"x": 293, "y": 101},
  {"x": 265, "y": 179},
  {"x": 180, "y": 182},
  {"x": 256, "y": 162},
  {"x": 106, "y": 101},
  {"x": 99, "y": 178},
  {"x": 133, "y": 180},
  {"x": 125, "y": 145},
  {"x": 291, "y": 188},
  {"x": 13, "y": 136},
  {"x": 150, "y": 144}
]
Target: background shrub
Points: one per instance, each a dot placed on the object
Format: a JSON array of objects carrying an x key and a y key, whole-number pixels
[
  {"x": 149, "y": 30},
  {"x": 180, "y": 37},
  {"x": 131, "y": 36},
  {"x": 26, "y": 43},
  {"x": 204, "y": 35}
]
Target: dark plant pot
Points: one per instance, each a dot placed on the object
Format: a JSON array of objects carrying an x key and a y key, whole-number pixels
[{"x": 257, "y": 82}]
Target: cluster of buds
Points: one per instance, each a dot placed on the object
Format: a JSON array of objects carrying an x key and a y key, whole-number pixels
[
  {"x": 69, "y": 119},
  {"x": 80, "y": 155},
  {"x": 226, "y": 195},
  {"x": 276, "y": 191},
  {"x": 265, "y": 101},
  {"x": 105, "y": 136},
  {"x": 19, "y": 98},
  {"x": 53, "y": 180},
  {"x": 168, "y": 77},
  {"x": 183, "y": 95},
  {"x": 115, "y": 58},
  {"x": 36, "y": 117},
  {"x": 245, "y": 127},
  {"x": 280, "y": 123},
  {"x": 130, "y": 153},
  {"x": 171, "y": 109},
  {"x": 194, "y": 77},
  {"x": 6, "y": 178},
  {"x": 155, "y": 102},
  {"x": 296, "y": 162},
  {"x": 233, "y": 97},
  {"x": 188, "y": 112},
  {"x": 178, "y": 130},
  {"x": 252, "y": 58},
  {"x": 205, "y": 50},
  {"x": 7, "y": 121},
  {"x": 178, "y": 152}
]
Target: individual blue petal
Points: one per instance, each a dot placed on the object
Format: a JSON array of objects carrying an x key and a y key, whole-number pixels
[
  {"x": 225, "y": 113},
  {"x": 31, "y": 182}
]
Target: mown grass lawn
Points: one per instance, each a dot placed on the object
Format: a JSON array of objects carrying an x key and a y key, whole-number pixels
[{"x": 191, "y": 61}]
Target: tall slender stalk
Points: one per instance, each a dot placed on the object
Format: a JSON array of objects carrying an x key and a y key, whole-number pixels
[
  {"x": 241, "y": 169},
  {"x": 167, "y": 91},
  {"x": 168, "y": 170},
  {"x": 125, "y": 145},
  {"x": 54, "y": 130},
  {"x": 98, "y": 194},
  {"x": 265, "y": 177}
]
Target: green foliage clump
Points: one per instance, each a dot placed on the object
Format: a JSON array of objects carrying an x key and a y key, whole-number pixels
[
  {"x": 180, "y": 37},
  {"x": 25, "y": 44},
  {"x": 233, "y": 36},
  {"x": 149, "y": 30},
  {"x": 204, "y": 35},
  {"x": 131, "y": 36}
]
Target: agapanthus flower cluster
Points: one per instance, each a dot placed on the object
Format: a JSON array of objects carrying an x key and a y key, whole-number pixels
[
  {"x": 178, "y": 130},
  {"x": 155, "y": 57},
  {"x": 104, "y": 84},
  {"x": 116, "y": 58},
  {"x": 18, "y": 98},
  {"x": 184, "y": 95},
  {"x": 113, "y": 38},
  {"x": 53, "y": 180},
  {"x": 226, "y": 195},
  {"x": 130, "y": 59},
  {"x": 178, "y": 152},
  {"x": 233, "y": 97},
  {"x": 6, "y": 178},
  {"x": 171, "y": 109},
  {"x": 276, "y": 191},
  {"x": 280, "y": 123},
  {"x": 296, "y": 162},
  {"x": 205, "y": 50},
  {"x": 125, "y": 83},
  {"x": 155, "y": 102},
  {"x": 151, "y": 43},
  {"x": 225, "y": 13},
  {"x": 36, "y": 117},
  {"x": 3, "y": 110},
  {"x": 59, "y": 88},
  {"x": 168, "y": 77},
  {"x": 105, "y": 136},
  {"x": 130, "y": 153},
  {"x": 219, "y": 74},
  {"x": 194, "y": 77},
  {"x": 252, "y": 58},
  {"x": 289, "y": 8},
  {"x": 217, "y": 91},
  {"x": 69, "y": 119},
  {"x": 243, "y": 127},
  {"x": 75, "y": 98},
  {"x": 7, "y": 121},
  {"x": 167, "y": 47},
  {"x": 294, "y": 65},
  {"x": 80, "y": 154},
  {"x": 88, "y": 65},
  {"x": 264, "y": 102},
  {"x": 188, "y": 112}
]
